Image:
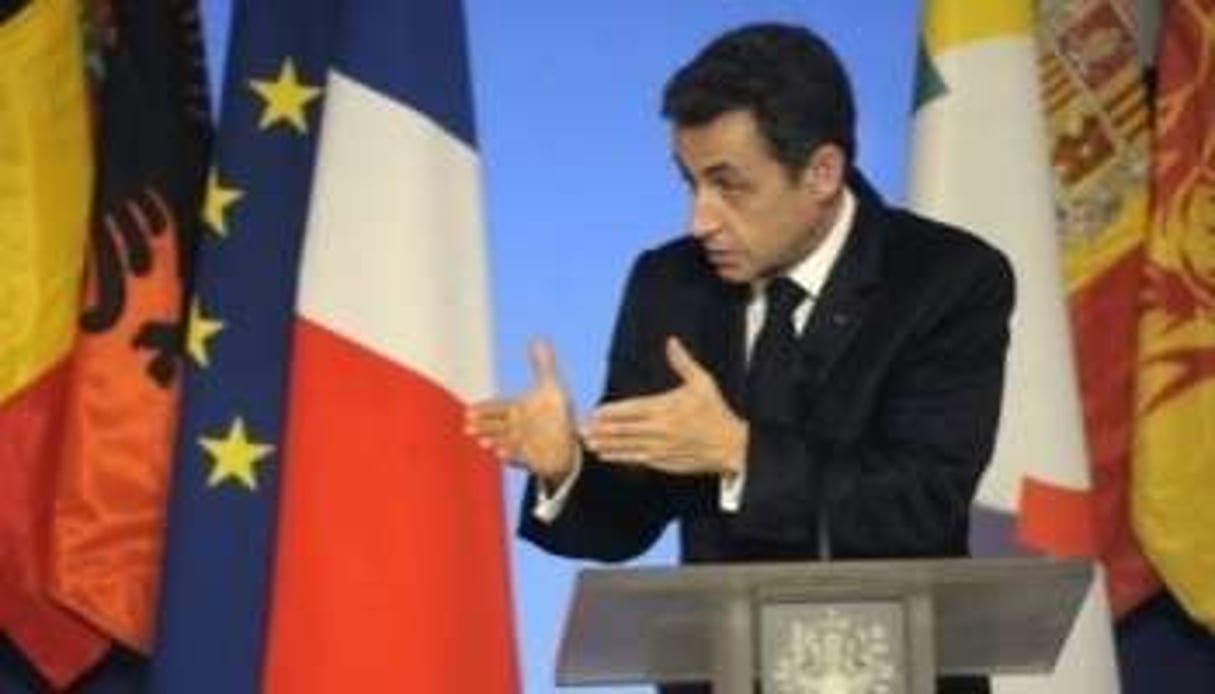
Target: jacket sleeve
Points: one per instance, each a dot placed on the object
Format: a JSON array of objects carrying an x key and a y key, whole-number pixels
[{"x": 613, "y": 512}]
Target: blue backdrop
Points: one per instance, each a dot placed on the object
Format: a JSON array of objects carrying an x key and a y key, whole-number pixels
[{"x": 578, "y": 177}]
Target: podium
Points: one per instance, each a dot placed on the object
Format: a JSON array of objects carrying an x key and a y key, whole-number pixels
[{"x": 848, "y": 626}]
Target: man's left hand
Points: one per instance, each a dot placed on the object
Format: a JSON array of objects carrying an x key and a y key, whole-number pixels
[{"x": 686, "y": 430}]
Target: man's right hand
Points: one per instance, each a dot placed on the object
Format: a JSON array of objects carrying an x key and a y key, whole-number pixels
[{"x": 535, "y": 429}]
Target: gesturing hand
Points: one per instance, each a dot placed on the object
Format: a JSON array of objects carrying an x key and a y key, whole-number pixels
[
  {"x": 536, "y": 429},
  {"x": 686, "y": 430}
]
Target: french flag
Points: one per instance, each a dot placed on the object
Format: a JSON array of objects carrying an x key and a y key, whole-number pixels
[{"x": 391, "y": 570}]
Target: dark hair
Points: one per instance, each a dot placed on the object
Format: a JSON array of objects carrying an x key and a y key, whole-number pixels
[{"x": 786, "y": 76}]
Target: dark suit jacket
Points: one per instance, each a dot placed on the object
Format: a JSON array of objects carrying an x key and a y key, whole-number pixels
[{"x": 891, "y": 409}]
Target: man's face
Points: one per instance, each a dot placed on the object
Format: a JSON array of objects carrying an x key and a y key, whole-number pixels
[{"x": 752, "y": 217}]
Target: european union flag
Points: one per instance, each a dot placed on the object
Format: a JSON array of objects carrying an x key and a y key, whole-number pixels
[{"x": 220, "y": 541}]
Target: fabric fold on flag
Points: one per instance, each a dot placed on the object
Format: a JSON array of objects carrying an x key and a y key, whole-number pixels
[
  {"x": 45, "y": 179},
  {"x": 391, "y": 570},
  {"x": 1174, "y": 468},
  {"x": 1093, "y": 91},
  {"x": 154, "y": 131},
  {"x": 977, "y": 69},
  {"x": 381, "y": 564},
  {"x": 221, "y": 518}
]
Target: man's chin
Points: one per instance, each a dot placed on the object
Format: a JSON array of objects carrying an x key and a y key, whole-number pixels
[{"x": 733, "y": 274}]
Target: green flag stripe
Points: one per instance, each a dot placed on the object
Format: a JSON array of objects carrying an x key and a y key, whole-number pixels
[{"x": 928, "y": 82}]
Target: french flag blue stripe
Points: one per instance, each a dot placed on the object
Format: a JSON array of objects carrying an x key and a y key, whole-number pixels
[{"x": 413, "y": 52}]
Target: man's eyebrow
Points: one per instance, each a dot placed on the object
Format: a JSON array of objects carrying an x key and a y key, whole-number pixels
[
  {"x": 720, "y": 168},
  {"x": 715, "y": 169}
]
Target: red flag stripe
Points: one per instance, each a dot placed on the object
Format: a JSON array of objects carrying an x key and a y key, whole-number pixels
[
  {"x": 1056, "y": 520},
  {"x": 59, "y": 644},
  {"x": 419, "y": 539}
]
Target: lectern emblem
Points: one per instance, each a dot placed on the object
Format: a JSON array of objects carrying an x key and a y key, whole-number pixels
[{"x": 836, "y": 653}]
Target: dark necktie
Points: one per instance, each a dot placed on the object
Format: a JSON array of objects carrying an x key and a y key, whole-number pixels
[{"x": 770, "y": 372}]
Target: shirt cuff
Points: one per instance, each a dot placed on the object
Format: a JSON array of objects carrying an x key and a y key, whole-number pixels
[
  {"x": 549, "y": 504},
  {"x": 729, "y": 499}
]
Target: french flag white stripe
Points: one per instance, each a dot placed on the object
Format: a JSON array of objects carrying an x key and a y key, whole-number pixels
[
  {"x": 394, "y": 258},
  {"x": 997, "y": 182}
]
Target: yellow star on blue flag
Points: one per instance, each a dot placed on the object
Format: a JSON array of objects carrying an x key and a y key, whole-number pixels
[
  {"x": 234, "y": 456},
  {"x": 285, "y": 98}
]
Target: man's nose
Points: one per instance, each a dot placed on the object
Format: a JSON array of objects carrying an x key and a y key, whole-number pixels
[{"x": 705, "y": 219}]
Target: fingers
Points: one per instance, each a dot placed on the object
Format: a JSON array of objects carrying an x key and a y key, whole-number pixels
[
  {"x": 486, "y": 418},
  {"x": 492, "y": 424},
  {"x": 623, "y": 427},
  {"x": 627, "y": 430},
  {"x": 625, "y": 446},
  {"x": 544, "y": 362},
  {"x": 630, "y": 409},
  {"x": 489, "y": 428},
  {"x": 682, "y": 362}
]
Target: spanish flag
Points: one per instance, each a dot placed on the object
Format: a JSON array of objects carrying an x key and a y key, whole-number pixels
[
  {"x": 1174, "y": 449},
  {"x": 45, "y": 184}
]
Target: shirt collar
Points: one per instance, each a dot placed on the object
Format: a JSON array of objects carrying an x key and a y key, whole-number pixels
[{"x": 811, "y": 273}]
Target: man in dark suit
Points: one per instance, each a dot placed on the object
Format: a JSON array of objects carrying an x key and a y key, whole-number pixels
[{"x": 810, "y": 374}]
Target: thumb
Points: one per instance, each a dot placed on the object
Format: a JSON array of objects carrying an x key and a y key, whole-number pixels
[
  {"x": 682, "y": 361},
  {"x": 544, "y": 362}
]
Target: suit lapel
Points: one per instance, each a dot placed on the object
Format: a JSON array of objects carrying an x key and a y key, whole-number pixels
[
  {"x": 725, "y": 339},
  {"x": 845, "y": 299}
]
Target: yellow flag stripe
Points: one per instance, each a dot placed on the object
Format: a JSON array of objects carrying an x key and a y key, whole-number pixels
[
  {"x": 45, "y": 183},
  {"x": 952, "y": 23}
]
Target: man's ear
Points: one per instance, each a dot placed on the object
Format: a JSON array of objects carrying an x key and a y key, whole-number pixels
[{"x": 825, "y": 170}]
